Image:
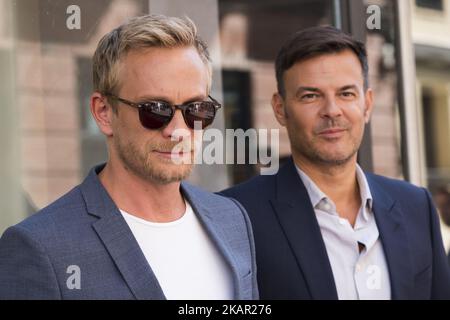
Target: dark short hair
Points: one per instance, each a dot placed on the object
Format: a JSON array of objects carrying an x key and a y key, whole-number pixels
[{"x": 313, "y": 42}]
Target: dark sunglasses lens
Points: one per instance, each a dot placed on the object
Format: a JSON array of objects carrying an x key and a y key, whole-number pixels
[
  {"x": 203, "y": 112},
  {"x": 155, "y": 115}
]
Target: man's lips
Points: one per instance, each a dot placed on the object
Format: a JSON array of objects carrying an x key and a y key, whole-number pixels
[
  {"x": 332, "y": 132},
  {"x": 171, "y": 151},
  {"x": 172, "y": 154}
]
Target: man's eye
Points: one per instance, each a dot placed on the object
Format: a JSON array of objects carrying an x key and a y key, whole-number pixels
[
  {"x": 309, "y": 96},
  {"x": 348, "y": 94}
]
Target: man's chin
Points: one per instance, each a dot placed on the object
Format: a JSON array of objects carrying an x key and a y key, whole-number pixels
[
  {"x": 335, "y": 159},
  {"x": 170, "y": 172},
  {"x": 329, "y": 156}
]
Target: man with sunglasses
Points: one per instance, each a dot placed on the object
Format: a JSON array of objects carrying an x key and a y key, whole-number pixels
[{"x": 133, "y": 229}]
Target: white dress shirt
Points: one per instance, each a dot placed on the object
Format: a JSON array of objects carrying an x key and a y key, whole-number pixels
[{"x": 357, "y": 275}]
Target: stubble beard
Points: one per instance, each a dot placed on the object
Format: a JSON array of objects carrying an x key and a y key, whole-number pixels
[
  {"x": 309, "y": 150},
  {"x": 314, "y": 155},
  {"x": 148, "y": 166}
]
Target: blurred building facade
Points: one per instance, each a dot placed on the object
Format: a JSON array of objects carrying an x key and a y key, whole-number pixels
[
  {"x": 49, "y": 141},
  {"x": 431, "y": 40}
]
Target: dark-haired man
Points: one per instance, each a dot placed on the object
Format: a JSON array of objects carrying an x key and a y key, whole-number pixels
[{"x": 323, "y": 228}]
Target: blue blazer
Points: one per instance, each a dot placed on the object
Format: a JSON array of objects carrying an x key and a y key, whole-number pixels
[
  {"x": 85, "y": 229},
  {"x": 291, "y": 255}
]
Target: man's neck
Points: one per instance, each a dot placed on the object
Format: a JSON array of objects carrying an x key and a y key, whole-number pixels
[
  {"x": 339, "y": 183},
  {"x": 147, "y": 200}
]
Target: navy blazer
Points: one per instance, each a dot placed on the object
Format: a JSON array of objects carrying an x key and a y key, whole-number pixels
[
  {"x": 291, "y": 256},
  {"x": 85, "y": 229}
]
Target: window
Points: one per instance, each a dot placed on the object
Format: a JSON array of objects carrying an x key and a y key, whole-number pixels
[{"x": 431, "y": 4}]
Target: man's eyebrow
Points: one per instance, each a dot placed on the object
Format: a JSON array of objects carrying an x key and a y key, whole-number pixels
[
  {"x": 349, "y": 87},
  {"x": 169, "y": 100}
]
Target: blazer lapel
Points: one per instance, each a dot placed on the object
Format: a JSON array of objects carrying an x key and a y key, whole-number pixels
[
  {"x": 298, "y": 220},
  {"x": 391, "y": 225},
  {"x": 215, "y": 230},
  {"x": 119, "y": 240}
]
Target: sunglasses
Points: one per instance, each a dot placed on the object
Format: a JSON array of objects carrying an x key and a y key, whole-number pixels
[{"x": 156, "y": 114}]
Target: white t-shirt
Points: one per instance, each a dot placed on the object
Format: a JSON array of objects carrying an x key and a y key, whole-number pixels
[{"x": 185, "y": 261}]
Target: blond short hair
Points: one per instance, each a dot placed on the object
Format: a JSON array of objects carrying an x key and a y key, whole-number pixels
[{"x": 138, "y": 33}]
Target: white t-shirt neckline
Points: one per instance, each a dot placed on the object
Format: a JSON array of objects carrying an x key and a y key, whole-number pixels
[{"x": 169, "y": 224}]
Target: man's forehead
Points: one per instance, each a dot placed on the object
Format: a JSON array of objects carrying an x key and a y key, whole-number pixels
[
  {"x": 315, "y": 81},
  {"x": 338, "y": 71},
  {"x": 329, "y": 62},
  {"x": 165, "y": 75}
]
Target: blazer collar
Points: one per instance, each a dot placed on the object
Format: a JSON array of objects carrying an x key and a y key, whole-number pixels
[
  {"x": 124, "y": 249},
  {"x": 298, "y": 220},
  {"x": 393, "y": 233},
  {"x": 207, "y": 212},
  {"x": 119, "y": 240}
]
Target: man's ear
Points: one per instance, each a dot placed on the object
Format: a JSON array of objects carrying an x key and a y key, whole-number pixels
[
  {"x": 278, "y": 107},
  {"x": 368, "y": 104},
  {"x": 102, "y": 112}
]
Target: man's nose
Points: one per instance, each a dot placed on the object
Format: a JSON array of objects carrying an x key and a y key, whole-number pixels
[
  {"x": 176, "y": 129},
  {"x": 331, "y": 108}
]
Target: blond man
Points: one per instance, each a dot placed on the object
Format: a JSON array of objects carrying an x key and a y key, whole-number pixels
[{"x": 133, "y": 229}]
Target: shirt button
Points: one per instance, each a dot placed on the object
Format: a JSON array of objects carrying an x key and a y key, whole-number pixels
[
  {"x": 342, "y": 221},
  {"x": 358, "y": 267},
  {"x": 327, "y": 206}
]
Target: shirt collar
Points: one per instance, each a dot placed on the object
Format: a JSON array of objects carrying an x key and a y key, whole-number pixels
[
  {"x": 364, "y": 191},
  {"x": 316, "y": 195}
]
